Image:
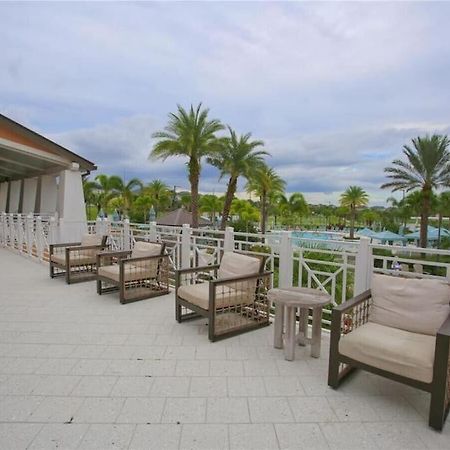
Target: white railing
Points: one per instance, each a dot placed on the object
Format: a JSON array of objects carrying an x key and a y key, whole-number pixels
[{"x": 340, "y": 268}]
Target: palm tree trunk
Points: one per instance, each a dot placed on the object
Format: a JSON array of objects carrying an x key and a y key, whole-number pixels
[
  {"x": 426, "y": 191},
  {"x": 352, "y": 223},
  {"x": 263, "y": 213},
  {"x": 231, "y": 190},
  {"x": 194, "y": 199},
  {"x": 439, "y": 229}
]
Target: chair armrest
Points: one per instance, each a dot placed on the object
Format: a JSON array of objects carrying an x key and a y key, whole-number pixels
[
  {"x": 85, "y": 247},
  {"x": 65, "y": 244},
  {"x": 445, "y": 328},
  {"x": 197, "y": 269},
  {"x": 349, "y": 304},
  {"x": 118, "y": 255},
  {"x": 240, "y": 278}
]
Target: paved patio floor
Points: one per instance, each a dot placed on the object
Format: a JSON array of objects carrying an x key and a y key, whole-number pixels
[{"x": 78, "y": 370}]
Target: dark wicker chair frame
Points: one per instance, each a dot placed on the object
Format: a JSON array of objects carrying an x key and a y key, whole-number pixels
[
  {"x": 245, "y": 317},
  {"x": 354, "y": 313},
  {"x": 137, "y": 289},
  {"x": 74, "y": 273}
]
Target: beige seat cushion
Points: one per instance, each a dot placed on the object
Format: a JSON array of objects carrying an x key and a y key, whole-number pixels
[
  {"x": 397, "y": 351},
  {"x": 76, "y": 258},
  {"x": 91, "y": 239},
  {"x": 198, "y": 294},
  {"x": 143, "y": 249},
  {"x": 132, "y": 272},
  {"x": 411, "y": 304}
]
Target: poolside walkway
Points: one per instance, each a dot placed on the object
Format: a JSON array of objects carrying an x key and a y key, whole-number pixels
[{"x": 78, "y": 370}]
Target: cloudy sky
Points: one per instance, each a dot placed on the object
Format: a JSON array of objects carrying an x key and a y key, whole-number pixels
[{"x": 334, "y": 89}]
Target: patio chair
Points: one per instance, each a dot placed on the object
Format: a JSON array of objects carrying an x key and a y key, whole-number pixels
[
  {"x": 400, "y": 329},
  {"x": 76, "y": 261},
  {"x": 138, "y": 274},
  {"x": 232, "y": 295}
]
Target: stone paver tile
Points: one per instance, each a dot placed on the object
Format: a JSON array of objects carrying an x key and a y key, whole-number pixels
[
  {"x": 107, "y": 437},
  {"x": 260, "y": 368},
  {"x": 210, "y": 352},
  {"x": 168, "y": 339},
  {"x": 180, "y": 352},
  {"x": 194, "y": 368},
  {"x": 56, "y": 409},
  {"x": 22, "y": 366},
  {"x": 59, "y": 436},
  {"x": 162, "y": 368},
  {"x": 395, "y": 436},
  {"x": 351, "y": 436},
  {"x": 156, "y": 437},
  {"x": 420, "y": 402},
  {"x": 226, "y": 368},
  {"x": 141, "y": 339},
  {"x": 125, "y": 367},
  {"x": 142, "y": 410},
  {"x": 204, "y": 437},
  {"x": 241, "y": 353},
  {"x": 283, "y": 386},
  {"x": 18, "y": 408},
  {"x": 227, "y": 410},
  {"x": 94, "y": 386},
  {"x": 56, "y": 385},
  {"x": 393, "y": 408},
  {"x": 184, "y": 410},
  {"x": 90, "y": 367},
  {"x": 57, "y": 366},
  {"x": 149, "y": 353},
  {"x": 311, "y": 409},
  {"x": 88, "y": 351},
  {"x": 132, "y": 387},
  {"x": 353, "y": 409},
  {"x": 269, "y": 410},
  {"x": 58, "y": 351},
  {"x": 170, "y": 387},
  {"x": 294, "y": 368},
  {"x": 246, "y": 387},
  {"x": 298, "y": 436},
  {"x": 253, "y": 437},
  {"x": 119, "y": 352},
  {"x": 17, "y": 435},
  {"x": 208, "y": 387},
  {"x": 19, "y": 384},
  {"x": 99, "y": 410},
  {"x": 315, "y": 385}
]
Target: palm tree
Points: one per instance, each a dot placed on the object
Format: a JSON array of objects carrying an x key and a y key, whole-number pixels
[
  {"x": 127, "y": 191},
  {"x": 91, "y": 194},
  {"x": 192, "y": 135},
  {"x": 246, "y": 211},
  {"x": 238, "y": 157},
  {"x": 267, "y": 185},
  {"x": 292, "y": 206},
  {"x": 354, "y": 197},
  {"x": 106, "y": 191},
  {"x": 427, "y": 168},
  {"x": 211, "y": 204},
  {"x": 160, "y": 195}
]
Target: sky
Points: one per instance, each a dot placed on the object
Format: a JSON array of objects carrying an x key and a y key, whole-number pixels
[{"x": 333, "y": 89}]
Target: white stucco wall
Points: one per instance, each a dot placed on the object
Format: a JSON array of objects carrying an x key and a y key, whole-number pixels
[
  {"x": 14, "y": 196},
  {"x": 3, "y": 195},
  {"x": 49, "y": 194},
  {"x": 29, "y": 195}
]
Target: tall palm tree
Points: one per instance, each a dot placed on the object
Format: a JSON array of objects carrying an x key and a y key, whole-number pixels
[
  {"x": 354, "y": 197},
  {"x": 427, "y": 168},
  {"x": 90, "y": 192},
  {"x": 127, "y": 191},
  {"x": 266, "y": 184},
  {"x": 211, "y": 204},
  {"x": 189, "y": 134},
  {"x": 238, "y": 157},
  {"x": 106, "y": 190},
  {"x": 294, "y": 205},
  {"x": 160, "y": 195}
]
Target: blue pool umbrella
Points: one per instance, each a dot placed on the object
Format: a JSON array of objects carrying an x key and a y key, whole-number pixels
[
  {"x": 388, "y": 236},
  {"x": 432, "y": 234},
  {"x": 366, "y": 232}
]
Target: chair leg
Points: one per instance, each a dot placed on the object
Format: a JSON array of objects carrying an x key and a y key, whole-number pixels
[
  {"x": 99, "y": 287},
  {"x": 52, "y": 271},
  {"x": 438, "y": 411},
  {"x": 333, "y": 365},
  {"x": 289, "y": 345},
  {"x": 278, "y": 330},
  {"x": 177, "y": 310}
]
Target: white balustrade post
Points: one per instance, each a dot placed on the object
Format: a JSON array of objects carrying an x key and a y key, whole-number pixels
[
  {"x": 286, "y": 265},
  {"x": 153, "y": 234},
  {"x": 40, "y": 238},
  {"x": 126, "y": 235},
  {"x": 106, "y": 227},
  {"x": 20, "y": 233},
  {"x": 363, "y": 266},
  {"x": 98, "y": 225},
  {"x": 29, "y": 225},
  {"x": 186, "y": 247},
  {"x": 12, "y": 231},
  {"x": 53, "y": 231},
  {"x": 3, "y": 229},
  {"x": 228, "y": 240}
]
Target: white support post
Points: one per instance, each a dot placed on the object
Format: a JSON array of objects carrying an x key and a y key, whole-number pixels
[
  {"x": 98, "y": 225},
  {"x": 286, "y": 261},
  {"x": 3, "y": 229},
  {"x": 186, "y": 247},
  {"x": 228, "y": 240},
  {"x": 20, "y": 233},
  {"x": 40, "y": 239},
  {"x": 153, "y": 234},
  {"x": 12, "y": 231},
  {"x": 52, "y": 231},
  {"x": 106, "y": 226},
  {"x": 126, "y": 235},
  {"x": 363, "y": 266},
  {"x": 29, "y": 233}
]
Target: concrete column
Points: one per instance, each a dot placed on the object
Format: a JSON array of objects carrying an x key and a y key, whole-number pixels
[
  {"x": 363, "y": 266},
  {"x": 186, "y": 247},
  {"x": 48, "y": 195},
  {"x": 3, "y": 196},
  {"x": 286, "y": 260},
  {"x": 29, "y": 195},
  {"x": 72, "y": 212},
  {"x": 14, "y": 195},
  {"x": 228, "y": 239}
]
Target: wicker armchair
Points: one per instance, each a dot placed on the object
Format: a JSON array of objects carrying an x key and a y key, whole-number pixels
[
  {"x": 232, "y": 295},
  {"x": 138, "y": 274},
  {"x": 400, "y": 329},
  {"x": 76, "y": 261}
]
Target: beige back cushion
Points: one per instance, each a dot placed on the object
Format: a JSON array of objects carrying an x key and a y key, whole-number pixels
[
  {"x": 237, "y": 265},
  {"x": 91, "y": 239},
  {"x": 411, "y": 304},
  {"x": 143, "y": 249}
]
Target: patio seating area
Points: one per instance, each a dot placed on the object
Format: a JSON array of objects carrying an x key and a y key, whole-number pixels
[{"x": 82, "y": 371}]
